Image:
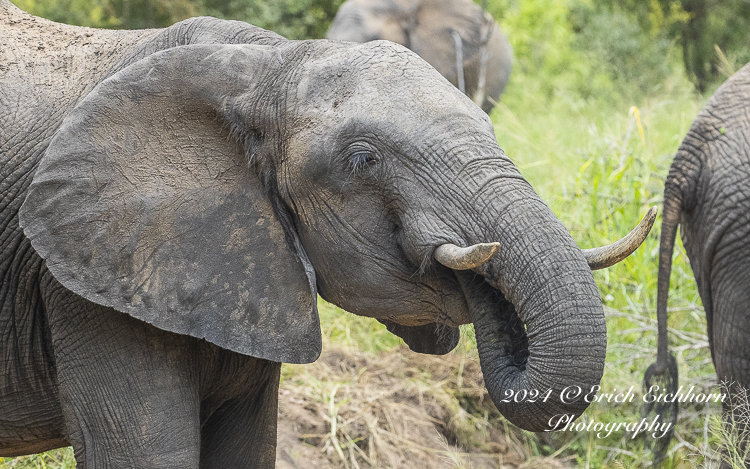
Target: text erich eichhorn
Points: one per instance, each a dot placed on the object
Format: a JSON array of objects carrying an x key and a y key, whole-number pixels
[{"x": 565, "y": 422}]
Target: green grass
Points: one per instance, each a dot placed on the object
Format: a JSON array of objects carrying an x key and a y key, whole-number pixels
[
  {"x": 367, "y": 335},
  {"x": 57, "y": 459}
]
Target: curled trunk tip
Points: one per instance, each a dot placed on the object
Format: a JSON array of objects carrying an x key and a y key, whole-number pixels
[
  {"x": 607, "y": 256},
  {"x": 458, "y": 258}
]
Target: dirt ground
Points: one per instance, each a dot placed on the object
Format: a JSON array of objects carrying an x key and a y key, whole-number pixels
[{"x": 396, "y": 410}]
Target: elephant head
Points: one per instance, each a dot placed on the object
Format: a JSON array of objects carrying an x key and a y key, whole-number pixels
[
  {"x": 461, "y": 41},
  {"x": 213, "y": 190}
]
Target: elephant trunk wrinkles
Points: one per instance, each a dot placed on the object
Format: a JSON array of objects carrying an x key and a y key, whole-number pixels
[{"x": 538, "y": 319}]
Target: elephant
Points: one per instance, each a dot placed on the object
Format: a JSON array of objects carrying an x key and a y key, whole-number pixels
[
  {"x": 707, "y": 194},
  {"x": 443, "y": 32},
  {"x": 174, "y": 200}
]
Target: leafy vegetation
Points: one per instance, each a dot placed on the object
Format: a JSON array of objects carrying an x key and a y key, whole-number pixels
[
  {"x": 698, "y": 27},
  {"x": 295, "y": 19},
  {"x": 601, "y": 95}
]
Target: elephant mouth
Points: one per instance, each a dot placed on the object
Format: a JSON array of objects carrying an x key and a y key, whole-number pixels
[{"x": 500, "y": 317}]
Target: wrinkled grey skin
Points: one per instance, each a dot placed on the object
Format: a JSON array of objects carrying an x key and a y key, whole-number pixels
[
  {"x": 426, "y": 27},
  {"x": 172, "y": 203},
  {"x": 707, "y": 193}
]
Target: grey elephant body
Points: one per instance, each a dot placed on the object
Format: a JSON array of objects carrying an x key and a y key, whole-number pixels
[
  {"x": 708, "y": 195},
  {"x": 427, "y": 27},
  {"x": 172, "y": 203},
  {"x": 47, "y": 69}
]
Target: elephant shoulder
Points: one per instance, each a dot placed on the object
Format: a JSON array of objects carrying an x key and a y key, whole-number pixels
[
  {"x": 209, "y": 30},
  {"x": 195, "y": 31}
]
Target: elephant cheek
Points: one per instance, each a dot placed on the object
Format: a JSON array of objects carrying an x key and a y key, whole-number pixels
[
  {"x": 444, "y": 307},
  {"x": 395, "y": 297},
  {"x": 456, "y": 310}
]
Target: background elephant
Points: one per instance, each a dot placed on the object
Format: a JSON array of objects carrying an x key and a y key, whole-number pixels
[
  {"x": 707, "y": 193},
  {"x": 172, "y": 203},
  {"x": 427, "y": 27}
]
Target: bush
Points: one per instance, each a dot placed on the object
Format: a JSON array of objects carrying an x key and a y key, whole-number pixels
[
  {"x": 614, "y": 43},
  {"x": 294, "y": 19}
]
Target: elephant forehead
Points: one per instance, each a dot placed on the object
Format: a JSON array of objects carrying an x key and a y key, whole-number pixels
[
  {"x": 381, "y": 62},
  {"x": 379, "y": 78},
  {"x": 386, "y": 60}
]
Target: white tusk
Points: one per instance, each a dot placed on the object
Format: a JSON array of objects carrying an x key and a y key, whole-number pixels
[
  {"x": 467, "y": 258},
  {"x": 606, "y": 256}
]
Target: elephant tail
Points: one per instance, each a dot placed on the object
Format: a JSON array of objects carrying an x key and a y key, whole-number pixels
[
  {"x": 662, "y": 377},
  {"x": 670, "y": 221}
]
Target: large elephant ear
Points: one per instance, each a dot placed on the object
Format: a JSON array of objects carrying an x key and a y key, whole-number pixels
[{"x": 145, "y": 203}]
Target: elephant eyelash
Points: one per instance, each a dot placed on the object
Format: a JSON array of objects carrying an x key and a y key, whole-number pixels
[{"x": 362, "y": 159}]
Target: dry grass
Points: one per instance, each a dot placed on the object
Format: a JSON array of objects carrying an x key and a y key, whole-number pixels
[
  {"x": 393, "y": 410},
  {"x": 732, "y": 432}
]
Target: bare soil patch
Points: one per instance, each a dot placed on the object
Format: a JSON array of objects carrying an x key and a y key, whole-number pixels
[{"x": 395, "y": 410}]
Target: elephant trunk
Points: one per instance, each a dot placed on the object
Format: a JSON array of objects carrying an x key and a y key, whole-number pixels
[{"x": 538, "y": 318}]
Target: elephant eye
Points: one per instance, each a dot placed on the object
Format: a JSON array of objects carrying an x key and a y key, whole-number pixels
[{"x": 361, "y": 159}]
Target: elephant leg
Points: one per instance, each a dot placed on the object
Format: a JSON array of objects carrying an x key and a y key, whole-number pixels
[
  {"x": 241, "y": 432},
  {"x": 730, "y": 323},
  {"x": 730, "y": 347},
  {"x": 129, "y": 396}
]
